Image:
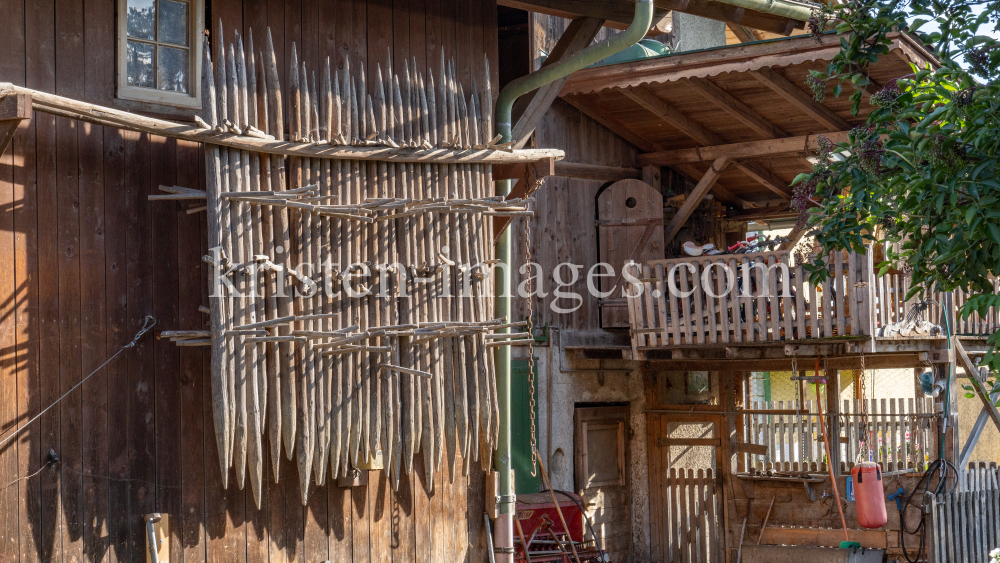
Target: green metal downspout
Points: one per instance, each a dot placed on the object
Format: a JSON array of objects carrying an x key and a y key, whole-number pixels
[
  {"x": 503, "y": 528},
  {"x": 791, "y": 10}
]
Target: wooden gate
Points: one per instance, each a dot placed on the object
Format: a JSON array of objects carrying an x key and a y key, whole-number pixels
[
  {"x": 967, "y": 520},
  {"x": 686, "y": 496}
]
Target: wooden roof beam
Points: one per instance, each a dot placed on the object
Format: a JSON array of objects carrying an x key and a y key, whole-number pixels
[
  {"x": 743, "y": 33},
  {"x": 694, "y": 198},
  {"x": 766, "y": 177},
  {"x": 676, "y": 119},
  {"x": 720, "y": 193},
  {"x": 699, "y": 133},
  {"x": 578, "y": 35},
  {"x": 795, "y": 96},
  {"x": 750, "y": 149},
  {"x": 596, "y": 172},
  {"x": 735, "y": 108}
]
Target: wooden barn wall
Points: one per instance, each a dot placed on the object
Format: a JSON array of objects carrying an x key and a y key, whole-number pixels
[
  {"x": 563, "y": 228},
  {"x": 84, "y": 257}
]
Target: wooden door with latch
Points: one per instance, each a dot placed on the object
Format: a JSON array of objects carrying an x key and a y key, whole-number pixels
[{"x": 629, "y": 227}]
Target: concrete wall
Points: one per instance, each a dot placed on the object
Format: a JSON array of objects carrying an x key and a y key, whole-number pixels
[
  {"x": 564, "y": 381},
  {"x": 692, "y": 33}
]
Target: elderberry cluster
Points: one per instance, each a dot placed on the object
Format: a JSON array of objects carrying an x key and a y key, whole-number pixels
[
  {"x": 818, "y": 87},
  {"x": 945, "y": 154},
  {"x": 887, "y": 98}
]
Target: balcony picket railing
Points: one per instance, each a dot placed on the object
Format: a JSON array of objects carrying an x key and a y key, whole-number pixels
[
  {"x": 767, "y": 297},
  {"x": 758, "y": 297}
]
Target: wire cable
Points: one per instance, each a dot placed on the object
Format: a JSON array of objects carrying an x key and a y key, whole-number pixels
[{"x": 147, "y": 325}]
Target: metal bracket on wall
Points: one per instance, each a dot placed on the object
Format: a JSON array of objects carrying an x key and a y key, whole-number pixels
[{"x": 354, "y": 478}]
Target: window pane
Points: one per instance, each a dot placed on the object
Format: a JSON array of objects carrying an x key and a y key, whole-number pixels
[
  {"x": 140, "y": 64},
  {"x": 173, "y": 22},
  {"x": 141, "y": 19},
  {"x": 602, "y": 454},
  {"x": 171, "y": 69}
]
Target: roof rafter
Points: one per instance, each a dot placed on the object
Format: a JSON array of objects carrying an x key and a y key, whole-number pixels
[
  {"x": 665, "y": 112},
  {"x": 737, "y": 109},
  {"x": 795, "y": 96},
  {"x": 699, "y": 133},
  {"x": 765, "y": 177}
]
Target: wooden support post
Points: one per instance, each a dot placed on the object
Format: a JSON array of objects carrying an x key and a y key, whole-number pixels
[
  {"x": 578, "y": 35},
  {"x": 794, "y": 236},
  {"x": 651, "y": 175},
  {"x": 977, "y": 431},
  {"x": 694, "y": 198},
  {"x": 833, "y": 416},
  {"x": 13, "y": 109},
  {"x": 989, "y": 410},
  {"x": 739, "y": 402},
  {"x": 951, "y": 441}
]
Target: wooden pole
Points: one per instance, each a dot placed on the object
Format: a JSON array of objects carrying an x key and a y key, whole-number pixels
[
  {"x": 562, "y": 519},
  {"x": 829, "y": 456},
  {"x": 219, "y": 360}
]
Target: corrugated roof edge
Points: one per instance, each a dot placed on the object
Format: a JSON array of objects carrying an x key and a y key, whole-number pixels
[{"x": 743, "y": 57}]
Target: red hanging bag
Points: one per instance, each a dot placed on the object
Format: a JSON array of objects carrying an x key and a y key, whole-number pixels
[{"x": 869, "y": 498}]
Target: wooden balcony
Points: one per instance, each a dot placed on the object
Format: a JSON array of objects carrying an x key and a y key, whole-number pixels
[{"x": 766, "y": 299}]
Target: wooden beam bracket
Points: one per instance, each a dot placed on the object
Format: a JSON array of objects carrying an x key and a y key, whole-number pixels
[
  {"x": 528, "y": 177},
  {"x": 14, "y": 109}
]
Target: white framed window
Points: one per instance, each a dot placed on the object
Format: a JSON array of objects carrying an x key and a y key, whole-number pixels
[{"x": 159, "y": 51}]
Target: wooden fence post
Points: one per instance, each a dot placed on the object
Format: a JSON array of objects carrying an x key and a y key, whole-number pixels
[{"x": 833, "y": 416}]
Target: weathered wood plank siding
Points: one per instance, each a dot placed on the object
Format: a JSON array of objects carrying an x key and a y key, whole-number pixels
[
  {"x": 84, "y": 256},
  {"x": 564, "y": 226}
]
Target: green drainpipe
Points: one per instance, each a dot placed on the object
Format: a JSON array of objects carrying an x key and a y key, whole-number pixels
[
  {"x": 792, "y": 10},
  {"x": 503, "y": 529}
]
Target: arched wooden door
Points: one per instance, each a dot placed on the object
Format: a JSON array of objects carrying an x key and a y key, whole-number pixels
[{"x": 629, "y": 227}]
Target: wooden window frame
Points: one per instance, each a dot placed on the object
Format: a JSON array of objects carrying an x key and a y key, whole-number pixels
[
  {"x": 587, "y": 418},
  {"x": 190, "y": 100}
]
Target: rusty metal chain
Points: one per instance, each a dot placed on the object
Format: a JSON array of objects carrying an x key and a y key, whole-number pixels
[
  {"x": 531, "y": 346},
  {"x": 863, "y": 424}
]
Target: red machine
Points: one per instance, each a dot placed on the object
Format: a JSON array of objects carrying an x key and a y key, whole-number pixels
[
  {"x": 540, "y": 536},
  {"x": 869, "y": 498}
]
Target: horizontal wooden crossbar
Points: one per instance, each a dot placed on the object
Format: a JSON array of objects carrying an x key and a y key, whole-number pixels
[{"x": 100, "y": 115}]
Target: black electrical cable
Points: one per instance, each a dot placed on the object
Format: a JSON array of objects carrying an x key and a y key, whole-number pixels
[
  {"x": 604, "y": 554},
  {"x": 943, "y": 468}
]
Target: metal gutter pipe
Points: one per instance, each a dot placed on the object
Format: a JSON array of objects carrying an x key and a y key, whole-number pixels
[
  {"x": 503, "y": 530},
  {"x": 799, "y": 11}
]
